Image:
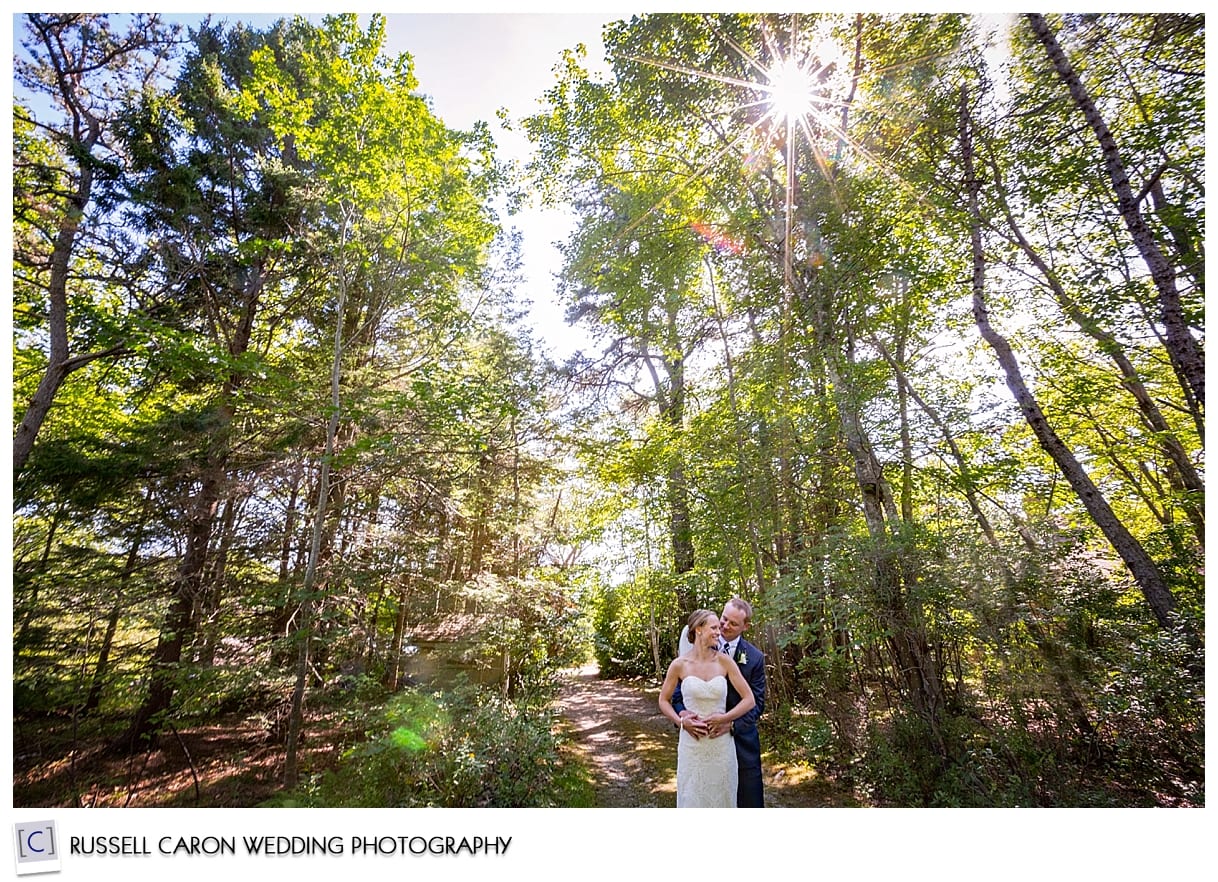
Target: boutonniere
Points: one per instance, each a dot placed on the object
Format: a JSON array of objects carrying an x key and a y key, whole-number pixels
[{"x": 741, "y": 658}]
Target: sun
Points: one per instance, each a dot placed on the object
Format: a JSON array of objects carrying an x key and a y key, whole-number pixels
[
  {"x": 795, "y": 87},
  {"x": 802, "y": 85},
  {"x": 797, "y": 78},
  {"x": 790, "y": 89}
]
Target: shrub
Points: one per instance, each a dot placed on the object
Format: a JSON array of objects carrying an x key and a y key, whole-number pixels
[
  {"x": 465, "y": 748},
  {"x": 626, "y": 617}
]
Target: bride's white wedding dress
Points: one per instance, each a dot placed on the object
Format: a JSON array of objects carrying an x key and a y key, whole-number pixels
[{"x": 706, "y": 767}]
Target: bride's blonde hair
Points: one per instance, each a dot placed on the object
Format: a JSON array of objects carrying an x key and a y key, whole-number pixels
[{"x": 696, "y": 619}]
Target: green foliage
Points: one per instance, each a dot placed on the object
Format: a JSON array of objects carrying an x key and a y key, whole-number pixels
[
  {"x": 467, "y": 748},
  {"x": 1152, "y": 715},
  {"x": 536, "y": 628},
  {"x": 207, "y": 693},
  {"x": 806, "y": 737},
  {"x": 1008, "y": 768},
  {"x": 632, "y": 621}
]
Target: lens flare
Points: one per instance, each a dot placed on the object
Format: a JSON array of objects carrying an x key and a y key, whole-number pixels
[
  {"x": 721, "y": 242},
  {"x": 790, "y": 88}
]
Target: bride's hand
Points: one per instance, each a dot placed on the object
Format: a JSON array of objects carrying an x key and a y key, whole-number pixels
[{"x": 693, "y": 724}]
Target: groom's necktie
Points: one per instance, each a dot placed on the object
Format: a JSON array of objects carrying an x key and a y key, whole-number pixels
[{"x": 724, "y": 647}]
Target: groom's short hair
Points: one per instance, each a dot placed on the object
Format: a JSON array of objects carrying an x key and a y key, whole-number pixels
[{"x": 744, "y": 606}]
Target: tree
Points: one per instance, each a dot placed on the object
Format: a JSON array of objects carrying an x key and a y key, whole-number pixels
[
  {"x": 1185, "y": 353},
  {"x": 387, "y": 178},
  {"x": 634, "y": 270},
  {"x": 1144, "y": 570},
  {"x": 73, "y": 60},
  {"x": 214, "y": 200}
]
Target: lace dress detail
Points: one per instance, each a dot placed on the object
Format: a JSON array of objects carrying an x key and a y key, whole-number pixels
[{"x": 706, "y": 767}]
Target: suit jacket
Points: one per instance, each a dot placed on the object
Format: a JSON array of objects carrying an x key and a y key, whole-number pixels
[{"x": 751, "y": 661}]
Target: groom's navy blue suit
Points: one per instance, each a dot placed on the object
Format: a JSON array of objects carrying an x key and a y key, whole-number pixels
[{"x": 744, "y": 729}]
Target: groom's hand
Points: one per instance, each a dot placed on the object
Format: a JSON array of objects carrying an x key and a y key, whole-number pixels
[{"x": 716, "y": 726}]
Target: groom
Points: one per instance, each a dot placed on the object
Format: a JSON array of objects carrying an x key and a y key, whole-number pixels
[{"x": 732, "y": 624}]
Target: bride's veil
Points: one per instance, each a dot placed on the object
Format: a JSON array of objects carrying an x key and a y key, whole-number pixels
[{"x": 685, "y": 644}]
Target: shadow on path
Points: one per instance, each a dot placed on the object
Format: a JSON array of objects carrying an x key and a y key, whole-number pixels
[{"x": 621, "y": 735}]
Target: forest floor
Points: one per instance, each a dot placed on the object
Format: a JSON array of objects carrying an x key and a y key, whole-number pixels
[
  {"x": 231, "y": 762},
  {"x": 626, "y": 748},
  {"x": 630, "y": 749}
]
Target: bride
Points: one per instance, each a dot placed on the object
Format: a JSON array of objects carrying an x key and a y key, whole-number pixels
[{"x": 706, "y": 765}]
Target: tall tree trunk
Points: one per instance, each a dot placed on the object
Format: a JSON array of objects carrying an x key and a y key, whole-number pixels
[
  {"x": 59, "y": 361},
  {"x": 102, "y": 668},
  {"x": 1048, "y": 649},
  {"x": 31, "y": 603},
  {"x": 305, "y": 636},
  {"x": 69, "y": 69},
  {"x": 914, "y": 662},
  {"x": 1143, "y": 568},
  {"x": 743, "y": 475},
  {"x": 769, "y": 502},
  {"x": 281, "y": 622},
  {"x": 289, "y": 526},
  {"x": 86, "y": 133},
  {"x": 680, "y": 524},
  {"x": 917, "y": 671},
  {"x": 1182, "y": 347},
  {"x": 903, "y": 416},
  {"x": 393, "y": 667},
  {"x": 180, "y": 623},
  {"x": 479, "y": 532},
  {"x": 1190, "y": 260},
  {"x": 209, "y": 601},
  {"x": 670, "y": 396},
  {"x": 680, "y": 528}
]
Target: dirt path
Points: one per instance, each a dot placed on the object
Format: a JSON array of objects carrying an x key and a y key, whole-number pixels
[{"x": 632, "y": 750}]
